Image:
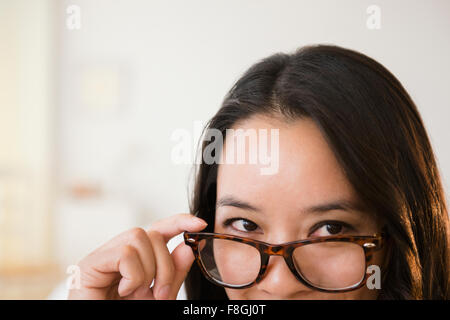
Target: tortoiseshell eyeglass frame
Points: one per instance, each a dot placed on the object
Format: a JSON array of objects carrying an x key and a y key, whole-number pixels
[{"x": 369, "y": 244}]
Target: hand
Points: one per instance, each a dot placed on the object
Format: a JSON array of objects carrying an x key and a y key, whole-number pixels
[{"x": 125, "y": 266}]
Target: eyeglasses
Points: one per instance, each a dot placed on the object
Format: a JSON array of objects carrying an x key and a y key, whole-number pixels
[{"x": 329, "y": 264}]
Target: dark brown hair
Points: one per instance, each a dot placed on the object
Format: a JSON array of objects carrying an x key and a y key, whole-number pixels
[{"x": 378, "y": 137}]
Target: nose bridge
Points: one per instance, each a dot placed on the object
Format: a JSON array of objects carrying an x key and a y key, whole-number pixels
[
  {"x": 275, "y": 250},
  {"x": 278, "y": 279}
]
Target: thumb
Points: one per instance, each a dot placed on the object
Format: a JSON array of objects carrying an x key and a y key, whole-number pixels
[{"x": 182, "y": 257}]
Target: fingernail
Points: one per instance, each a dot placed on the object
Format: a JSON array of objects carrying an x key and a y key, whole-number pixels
[
  {"x": 123, "y": 284},
  {"x": 164, "y": 292},
  {"x": 200, "y": 222}
]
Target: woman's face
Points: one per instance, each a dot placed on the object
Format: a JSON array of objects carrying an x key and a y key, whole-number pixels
[{"x": 274, "y": 208}]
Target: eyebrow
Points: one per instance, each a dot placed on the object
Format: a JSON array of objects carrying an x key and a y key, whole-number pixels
[
  {"x": 230, "y": 201},
  {"x": 341, "y": 204}
]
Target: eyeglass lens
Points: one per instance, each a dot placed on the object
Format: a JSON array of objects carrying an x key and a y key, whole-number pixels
[{"x": 327, "y": 265}]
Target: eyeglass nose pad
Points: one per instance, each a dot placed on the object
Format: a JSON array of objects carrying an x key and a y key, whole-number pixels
[
  {"x": 275, "y": 251},
  {"x": 265, "y": 258},
  {"x": 269, "y": 265}
]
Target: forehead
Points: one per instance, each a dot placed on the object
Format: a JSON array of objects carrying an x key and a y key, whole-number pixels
[{"x": 308, "y": 172}]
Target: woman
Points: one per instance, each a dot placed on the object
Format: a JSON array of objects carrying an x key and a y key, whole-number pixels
[{"x": 356, "y": 177}]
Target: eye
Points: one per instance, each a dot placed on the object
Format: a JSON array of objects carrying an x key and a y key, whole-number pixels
[
  {"x": 333, "y": 228},
  {"x": 242, "y": 225},
  {"x": 330, "y": 228}
]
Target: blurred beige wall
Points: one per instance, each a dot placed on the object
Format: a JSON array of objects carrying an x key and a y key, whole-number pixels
[{"x": 26, "y": 147}]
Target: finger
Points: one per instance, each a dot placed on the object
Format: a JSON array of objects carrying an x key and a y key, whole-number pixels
[
  {"x": 165, "y": 268},
  {"x": 165, "y": 226},
  {"x": 100, "y": 268},
  {"x": 141, "y": 293},
  {"x": 139, "y": 239},
  {"x": 131, "y": 270},
  {"x": 182, "y": 257},
  {"x": 174, "y": 225}
]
